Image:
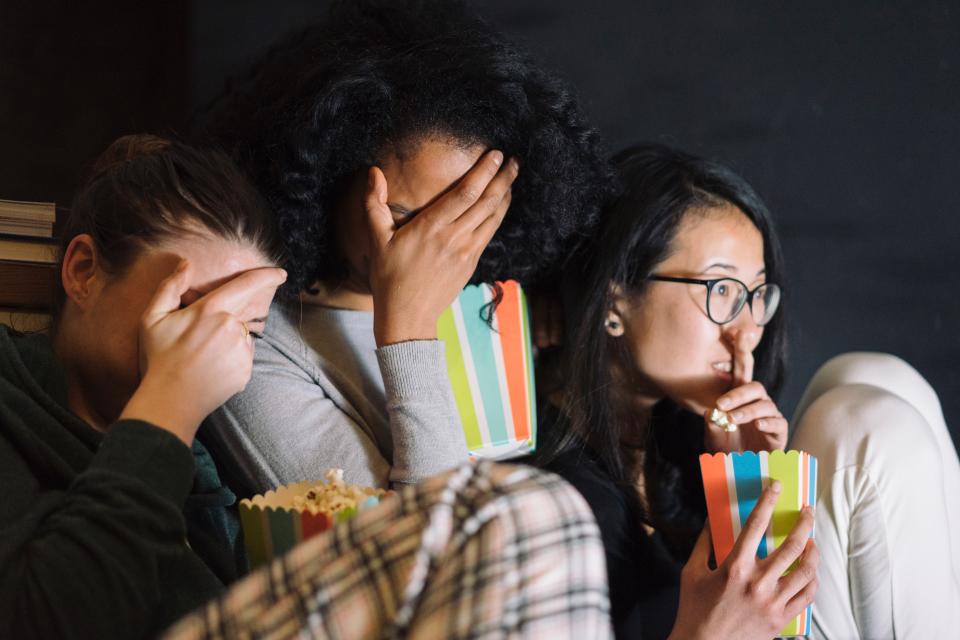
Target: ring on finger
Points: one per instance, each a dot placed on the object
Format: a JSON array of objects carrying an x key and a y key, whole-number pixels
[{"x": 246, "y": 329}]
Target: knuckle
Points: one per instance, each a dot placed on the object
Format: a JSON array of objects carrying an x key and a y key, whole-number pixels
[
  {"x": 792, "y": 548},
  {"x": 465, "y": 255},
  {"x": 754, "y": 590},
  {"x": 773, "y": 612},
  {"x": 492, "y": 195},
  {"x": 468, "y": 193},
  {"x": 442, "y": 243},
  {"x": 432, "y": 227},
  {"x": 806, "y": 572},
  {"x": 737, "y": 572},
  {"x": 223, "y": 320}
]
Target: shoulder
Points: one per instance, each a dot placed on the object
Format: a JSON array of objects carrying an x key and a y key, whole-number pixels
[{"x": 609, "y": 502}]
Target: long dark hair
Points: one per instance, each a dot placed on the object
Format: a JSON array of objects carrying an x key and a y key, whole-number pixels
[
  {"x": 145, "y": 189},
  {"x": 326, "y": 102},
  {"x": 658, "y": 186}
]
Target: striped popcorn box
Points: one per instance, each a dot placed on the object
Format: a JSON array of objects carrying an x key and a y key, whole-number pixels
[
  {"x": 732, "y": 484},
  {"x": 273, "y": 523},
  {"x": 491, "y": 370}
]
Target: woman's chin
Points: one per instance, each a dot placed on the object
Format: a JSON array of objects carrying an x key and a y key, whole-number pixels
[{"x": 702, "y": 399}]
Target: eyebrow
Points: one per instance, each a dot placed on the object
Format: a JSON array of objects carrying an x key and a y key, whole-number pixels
[{"x": 720, "y": 265}]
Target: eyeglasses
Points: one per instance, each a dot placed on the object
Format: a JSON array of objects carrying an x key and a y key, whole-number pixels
[{"x": 726, "y": 297}]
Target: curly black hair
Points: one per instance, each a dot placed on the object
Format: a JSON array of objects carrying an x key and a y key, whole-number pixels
[{"x": 322, "y": 104}]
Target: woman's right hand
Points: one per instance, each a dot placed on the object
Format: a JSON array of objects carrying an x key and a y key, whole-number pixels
[
  {"x": 748, "y": 597},
  {"x": 419, "y": 268},
  {"x": 193, "y": 359}
]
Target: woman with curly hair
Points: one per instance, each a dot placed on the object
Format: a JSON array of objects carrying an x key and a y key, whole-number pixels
[{"x": 349, "y": 373}]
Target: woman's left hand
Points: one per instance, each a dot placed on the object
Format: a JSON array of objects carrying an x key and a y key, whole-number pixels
[{"x": 760, "y": 425}]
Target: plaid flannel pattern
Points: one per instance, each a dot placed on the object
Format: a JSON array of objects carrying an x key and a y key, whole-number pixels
[{"x": 485, "y": 551}]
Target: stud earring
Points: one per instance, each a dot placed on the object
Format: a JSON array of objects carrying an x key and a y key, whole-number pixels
[{"x": 613, "y": 327}]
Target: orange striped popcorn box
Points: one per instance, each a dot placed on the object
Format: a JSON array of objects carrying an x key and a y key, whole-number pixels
[
  {"x": 732, "y": 484},
  {"x": 275, "y": 522},
  {"x": 490, "y": 365}
]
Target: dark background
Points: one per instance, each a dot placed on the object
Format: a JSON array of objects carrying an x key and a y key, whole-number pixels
[{"x": 843, "y": 115}]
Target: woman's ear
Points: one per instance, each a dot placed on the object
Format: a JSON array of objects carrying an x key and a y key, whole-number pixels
[
  {"x": 80, "y": 270},
  {"x": 613, "y": 323}
]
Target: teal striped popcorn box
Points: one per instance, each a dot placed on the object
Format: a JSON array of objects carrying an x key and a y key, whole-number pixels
[
  {"x": 275, "y": 522},
  {"x": 732, "y": 484},
  {"x": 490, "y": 364}
]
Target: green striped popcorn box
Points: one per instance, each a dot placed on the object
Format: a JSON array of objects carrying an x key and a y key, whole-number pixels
[
  {"x": 732, "y": 484},
  {"x": 490, "y": 364},
  {"x": 273, "y": 523}
]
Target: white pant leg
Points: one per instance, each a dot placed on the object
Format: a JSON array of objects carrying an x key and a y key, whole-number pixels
[{"x": 888, "y": 505}]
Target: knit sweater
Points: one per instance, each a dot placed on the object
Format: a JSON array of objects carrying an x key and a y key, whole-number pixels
[
  {"x": 323, "y": 395},
  {"x": 93, "y": 538}
]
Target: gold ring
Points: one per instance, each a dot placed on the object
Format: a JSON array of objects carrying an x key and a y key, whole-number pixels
[
  {"x": 722, "y": 420},
  {"x": 246, "y": 331}
]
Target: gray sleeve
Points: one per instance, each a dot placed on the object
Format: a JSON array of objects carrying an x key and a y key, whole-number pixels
[
  {"x": 285, "y": 428},
  {"x": 427, "y": 435}
]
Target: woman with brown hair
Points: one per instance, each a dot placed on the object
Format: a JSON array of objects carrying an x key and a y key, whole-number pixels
[{"x": 167, "y": 273}]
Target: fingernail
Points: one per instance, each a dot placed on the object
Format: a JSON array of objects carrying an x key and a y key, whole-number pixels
[
  {"x": 775, "y": 486},
  {"x": 737, "y": 416},
  {"x": 497, "y": 157},
  {"x": 761, "y": 423}
]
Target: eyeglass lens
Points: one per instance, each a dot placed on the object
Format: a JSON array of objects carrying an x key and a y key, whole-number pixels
[{"x": 728, "y": 296}]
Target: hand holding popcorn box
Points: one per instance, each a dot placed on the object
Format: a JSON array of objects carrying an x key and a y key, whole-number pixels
[
  {"x": 732, "y": 484},
  {"x": 491, "y": 369}
]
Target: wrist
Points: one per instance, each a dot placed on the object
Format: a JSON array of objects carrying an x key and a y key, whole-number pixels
[
  {"x": 152, "y": 402},
  {"x": 392, "y": 331}
]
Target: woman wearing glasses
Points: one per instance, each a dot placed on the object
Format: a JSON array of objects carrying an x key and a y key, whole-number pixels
[{"x": 675, "y": 311}]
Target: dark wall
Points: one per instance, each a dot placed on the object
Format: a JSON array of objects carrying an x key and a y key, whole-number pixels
[
  {"x": 75, "y": 76},
  {"x": 843, "y": 115}
]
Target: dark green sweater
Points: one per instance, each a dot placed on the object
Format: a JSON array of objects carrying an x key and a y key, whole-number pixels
[{"x": 93, "y": 537}]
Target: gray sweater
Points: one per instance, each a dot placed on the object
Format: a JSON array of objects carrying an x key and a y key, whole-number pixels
[{"x": 324, "y": 396}]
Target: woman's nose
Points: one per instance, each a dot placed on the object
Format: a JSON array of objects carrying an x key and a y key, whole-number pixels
[{"x": 743, "y": 330}]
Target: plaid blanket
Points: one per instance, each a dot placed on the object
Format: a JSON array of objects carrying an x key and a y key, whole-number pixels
[{"x": 485, "y": 551}]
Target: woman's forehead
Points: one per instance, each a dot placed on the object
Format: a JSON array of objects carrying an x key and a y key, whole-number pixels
[
  {"x": 723, "y": 235},
  {"x": 426, "y": 170},
  {"x": 213, "y": 261}
]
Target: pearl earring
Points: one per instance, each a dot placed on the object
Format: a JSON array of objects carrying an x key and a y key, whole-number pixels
[{"x": 613, "y": 327}]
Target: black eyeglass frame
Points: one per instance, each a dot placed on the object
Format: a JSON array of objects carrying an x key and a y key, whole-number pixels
[{"x": 709, "y": 284}]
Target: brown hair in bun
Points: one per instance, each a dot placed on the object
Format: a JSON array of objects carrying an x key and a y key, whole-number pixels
[{"x": 145, "y": 189}]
